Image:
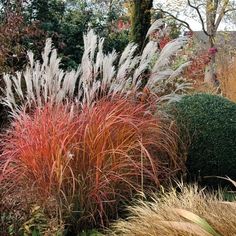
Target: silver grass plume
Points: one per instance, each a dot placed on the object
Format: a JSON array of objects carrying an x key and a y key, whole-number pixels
[
  {"x": 155, "y": 26},
  {"x": 96, "y": 76}
]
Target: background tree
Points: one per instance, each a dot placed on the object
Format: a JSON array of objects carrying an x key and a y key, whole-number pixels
[
  {"x": 25, "y": 24},
  {"x": 140, "y": 19},
  {"x": 16, "y": 36},
  {"x": 211, "y": 13},
  {"x": 65, "y": 21}
]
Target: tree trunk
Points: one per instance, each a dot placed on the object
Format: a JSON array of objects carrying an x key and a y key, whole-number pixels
[
  {"x": 210, "y": 72},
  {"x": 140, "y": 20}
]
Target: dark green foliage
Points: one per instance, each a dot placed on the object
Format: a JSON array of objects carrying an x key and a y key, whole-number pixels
[
  {"x": 4, "y": 118},
  {"x": 117, "y": 41},
  {"x": 48, "y": 12},
  {"x": 175, "y": 29},
  {"x": 208, "y": 124},
  {"x": 63, "y": 21}
]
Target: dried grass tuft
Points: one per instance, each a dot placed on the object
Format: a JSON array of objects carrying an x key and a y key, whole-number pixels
[
  {"x": 226, "y": 69},
  {"x": 191, "y": 211}
]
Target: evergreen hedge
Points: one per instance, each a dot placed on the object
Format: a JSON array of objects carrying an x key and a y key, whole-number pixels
[{"x": 208, "y": 123}]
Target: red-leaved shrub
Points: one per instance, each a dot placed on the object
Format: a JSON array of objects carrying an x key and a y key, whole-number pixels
[
  {"x": 88, "y": 160},
  {"x": 196, "y": 70}
]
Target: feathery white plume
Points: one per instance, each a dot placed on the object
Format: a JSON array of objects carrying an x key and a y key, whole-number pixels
[
  {"x": 155, "y": 26},
  {"x": 98, "y": 74}
]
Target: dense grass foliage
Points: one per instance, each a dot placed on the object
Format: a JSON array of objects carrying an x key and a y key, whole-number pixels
[
  {"x": 85, "y": 162},
  {"x": 208, "y": 124},
  {"x": 84, "y": 142}
]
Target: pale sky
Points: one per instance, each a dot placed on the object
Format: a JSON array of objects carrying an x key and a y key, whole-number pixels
[{"x": 196, "y": 26}]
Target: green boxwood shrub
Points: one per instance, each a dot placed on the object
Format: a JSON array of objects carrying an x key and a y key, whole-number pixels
[{"x": 208, "y": 123}]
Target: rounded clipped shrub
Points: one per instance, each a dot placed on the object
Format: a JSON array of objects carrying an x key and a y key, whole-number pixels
[{"x": 208, "y": 124}]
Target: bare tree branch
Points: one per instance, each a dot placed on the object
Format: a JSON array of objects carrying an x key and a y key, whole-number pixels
[
  {"x": 229, "y": 10},
  {"x": 221, "y": 15},
  {"x": 184, "y": 23},
  {"x": 200, "y": 16},
  {"x": 214, "y": 10}
]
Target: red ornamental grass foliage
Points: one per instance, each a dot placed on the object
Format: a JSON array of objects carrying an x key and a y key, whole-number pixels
[
  {"x": 88, "y": 160},
  {"x": 35, "y": 147}
]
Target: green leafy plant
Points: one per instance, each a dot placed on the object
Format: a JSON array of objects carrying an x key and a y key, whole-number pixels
[
  {"x": 13, "y": 210},
  {"x": 6, "y": 224},
  {"x": 39, "y": 224},
  {"x": 36, "y": 224}
]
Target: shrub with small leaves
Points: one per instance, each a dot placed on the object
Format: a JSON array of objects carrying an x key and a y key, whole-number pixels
[{"x": 209, "y": 123}]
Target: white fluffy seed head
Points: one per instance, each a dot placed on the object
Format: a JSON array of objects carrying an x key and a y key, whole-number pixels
[{"x": 97, "y": 75}]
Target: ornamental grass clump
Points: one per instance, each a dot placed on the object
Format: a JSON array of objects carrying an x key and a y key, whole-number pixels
[
  {"x": 98, "y": 75},
  {"x": 83, "y": 142},
  {"x": 186, "y": 211},
  {"x": 87, "y": 161}
]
